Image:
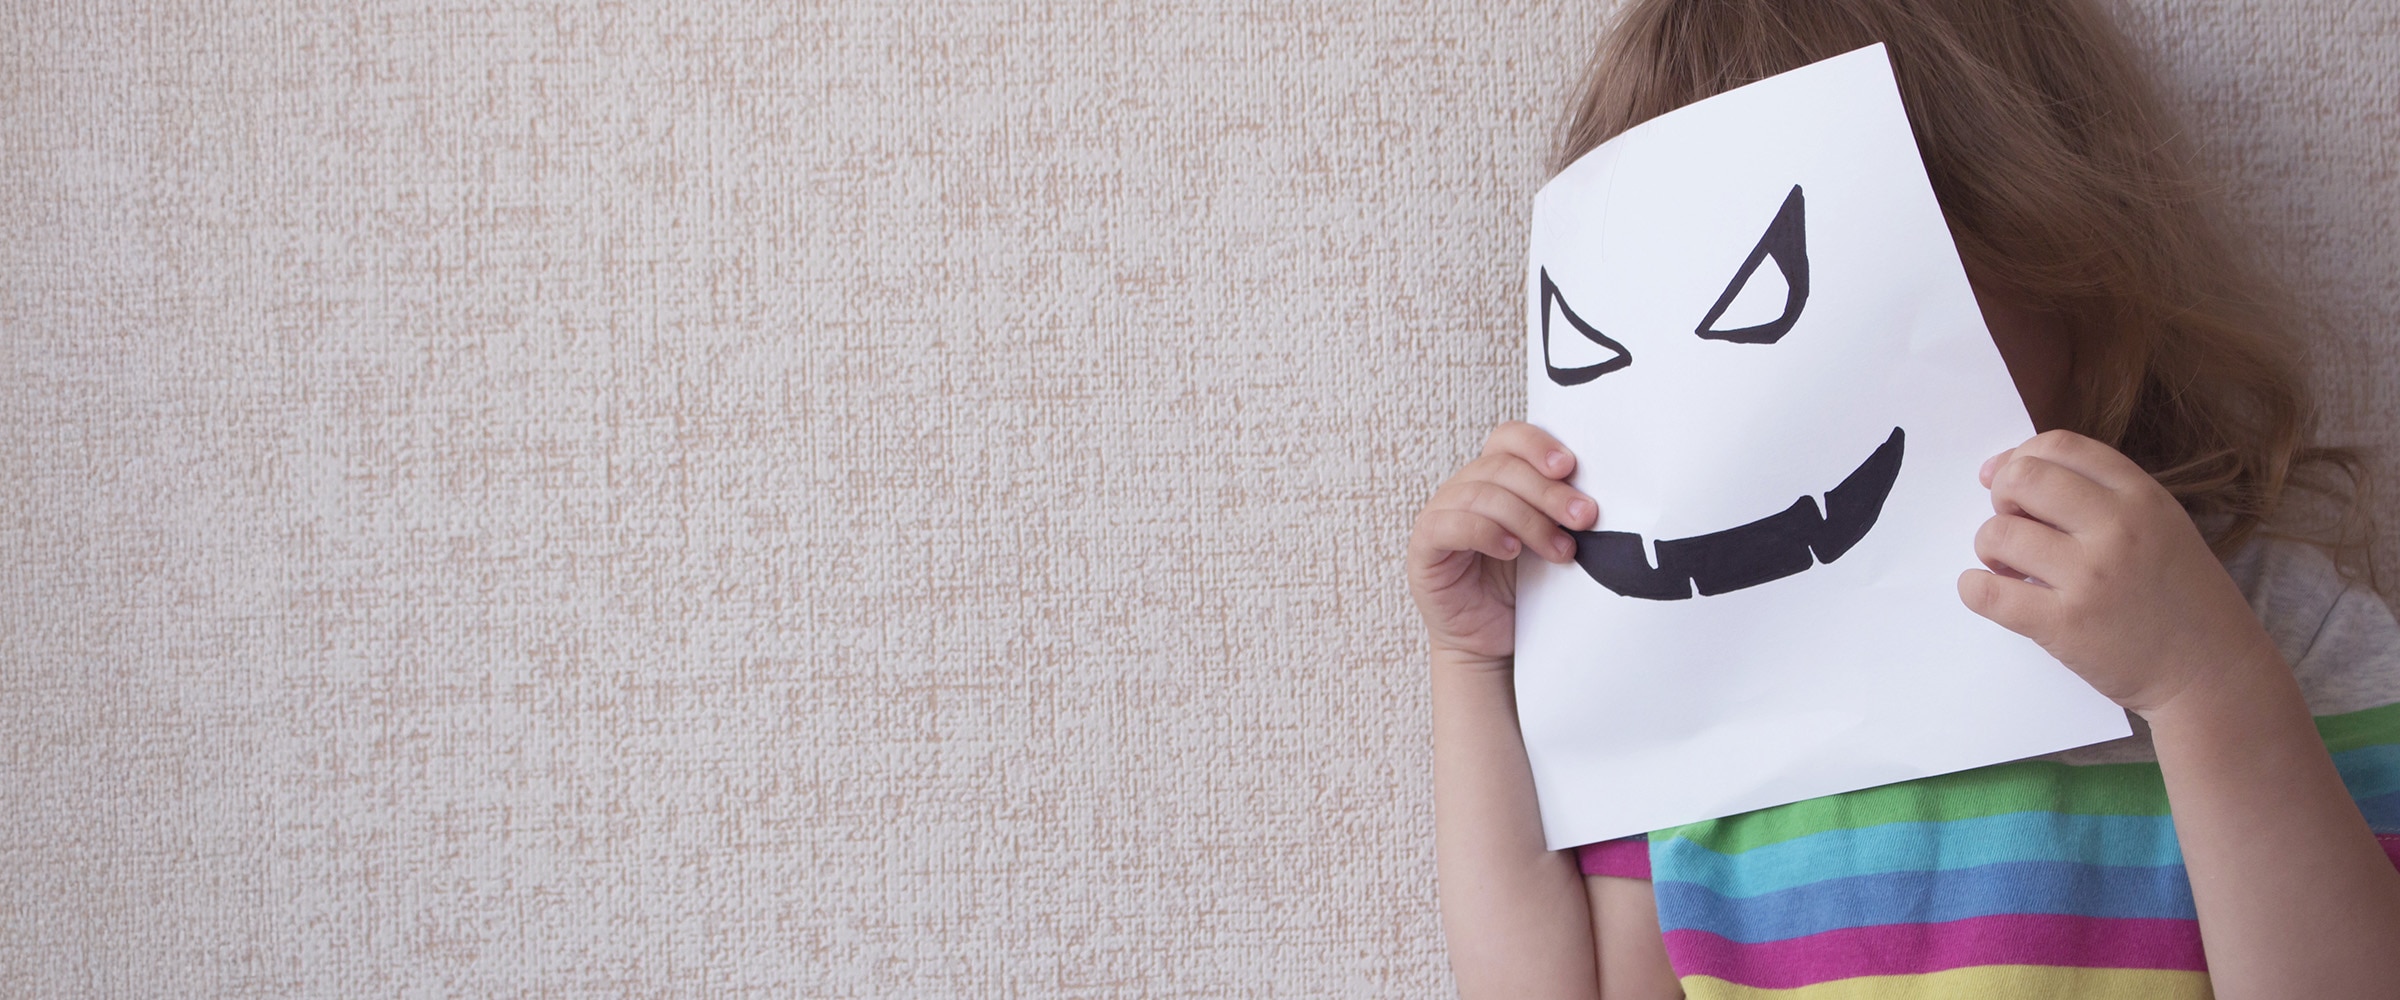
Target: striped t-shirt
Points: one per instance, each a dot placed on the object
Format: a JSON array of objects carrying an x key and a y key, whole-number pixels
[{"x": 2052, "y": 877}]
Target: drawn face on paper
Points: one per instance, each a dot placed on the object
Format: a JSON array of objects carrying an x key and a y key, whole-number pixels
[
  {"x": 1746, "y": 319},
  {"x": 1726, "y": 308},
  {"x": 1769, "y": 548}
]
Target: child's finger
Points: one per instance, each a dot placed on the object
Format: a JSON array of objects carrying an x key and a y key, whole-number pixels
[
  {"x": 2021, "y": 547},
  {"x": 1534, "y": 445},
  {"x": 1562, "y": 503},
  {"x": 1522, "y": 519},
  {"x": 2098, "y": 462},
  {"x": 1446, "y": 530},
  {"x": 2050, "y": 493},
  {"x": 2015, "y": 605}
]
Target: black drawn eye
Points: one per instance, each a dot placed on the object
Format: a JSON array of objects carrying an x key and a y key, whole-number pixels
[
  {"x": 1572, "y": 361},
  {"x": 1750, "y": 296}
]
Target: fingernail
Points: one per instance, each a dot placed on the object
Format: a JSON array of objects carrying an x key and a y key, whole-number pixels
[
  {"x": 1579, "y": 511},
  {"x": 1557, "y": 461},
  {"x": 1565, "y": 547},
  {"x": 1508, "y": 545},
  {"x": 1990, "y": 465}
]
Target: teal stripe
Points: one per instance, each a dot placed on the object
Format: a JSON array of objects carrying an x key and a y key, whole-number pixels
[
  {"x": 2370, "y": 771},
  {"x": 2125, "y": 841}
]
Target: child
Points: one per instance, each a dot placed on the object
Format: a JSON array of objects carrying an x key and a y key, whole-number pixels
[{"x": 2265, "y": 685}]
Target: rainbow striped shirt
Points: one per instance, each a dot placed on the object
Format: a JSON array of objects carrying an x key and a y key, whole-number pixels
[{"x": 2036, "y": 878}]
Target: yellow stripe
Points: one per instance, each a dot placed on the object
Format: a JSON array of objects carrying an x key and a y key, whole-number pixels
[{"x": 1982, "y": 982}]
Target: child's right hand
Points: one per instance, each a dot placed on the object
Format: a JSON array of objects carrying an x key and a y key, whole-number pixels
[{"x": 1462, "y": 556}]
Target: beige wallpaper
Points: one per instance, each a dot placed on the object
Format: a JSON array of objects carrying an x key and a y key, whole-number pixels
[{"x": 823, "y": 499}]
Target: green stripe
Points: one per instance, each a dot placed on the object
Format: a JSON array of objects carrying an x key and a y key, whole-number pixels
[
  {"x": 2364, "y": 728},
  {"x": 2019, "y": 786}
]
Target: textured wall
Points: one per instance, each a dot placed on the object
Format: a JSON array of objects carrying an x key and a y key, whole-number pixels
[{"x": 863, "y": 499}]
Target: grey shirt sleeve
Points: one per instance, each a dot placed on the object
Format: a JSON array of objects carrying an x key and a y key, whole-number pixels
[{"x": 2338, "y": 635}]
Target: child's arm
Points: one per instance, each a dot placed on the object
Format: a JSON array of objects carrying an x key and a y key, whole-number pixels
[
  {"x": 2295, "y": 898},
  {"x": 1515, "y": 914}
]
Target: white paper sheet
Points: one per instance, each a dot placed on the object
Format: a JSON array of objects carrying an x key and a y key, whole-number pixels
[{"x": 1806, "y": 658}]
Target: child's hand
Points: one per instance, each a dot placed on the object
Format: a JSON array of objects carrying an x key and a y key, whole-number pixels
[
  {"x": 1461, "y": 558},
  {"x": 2093, "y": 559}
]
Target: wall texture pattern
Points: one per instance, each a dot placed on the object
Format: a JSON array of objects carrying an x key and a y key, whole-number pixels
[{"x": 826, "y": 499}]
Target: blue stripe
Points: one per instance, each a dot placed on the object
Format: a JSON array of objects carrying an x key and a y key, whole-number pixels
[
  {"x": 1931, "y": 897},
  {"x": 2116, "y": 841},
  {"x": 2370, "y": 772},
  {"x": 2382, "y": 812}
]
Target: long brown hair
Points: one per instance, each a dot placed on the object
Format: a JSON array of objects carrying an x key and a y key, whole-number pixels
[{"x": 2066, "y": 191}]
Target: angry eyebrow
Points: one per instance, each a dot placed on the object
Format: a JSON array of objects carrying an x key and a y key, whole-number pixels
[
  {"x": 1786, "y": 240},
  {"x": 1554, "y": 304}
]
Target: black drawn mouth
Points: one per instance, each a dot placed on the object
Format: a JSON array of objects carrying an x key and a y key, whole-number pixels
[{"x": 1770, "y": 548}]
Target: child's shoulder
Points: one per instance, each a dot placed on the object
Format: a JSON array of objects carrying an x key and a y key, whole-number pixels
[{"x": 2338, "y": 634}]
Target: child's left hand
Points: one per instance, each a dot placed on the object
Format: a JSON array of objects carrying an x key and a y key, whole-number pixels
[{"x": 2093, "y": 559}]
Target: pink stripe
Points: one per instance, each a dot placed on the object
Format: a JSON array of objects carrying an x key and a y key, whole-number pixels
[
  {"x": 1627, "y": 858},
  {"x": 1908, "y": 949},
  {"x": 2391, "y": 846}
]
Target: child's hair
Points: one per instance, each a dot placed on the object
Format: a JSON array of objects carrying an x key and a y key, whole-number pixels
[{"x": 2065, "y": 191}]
